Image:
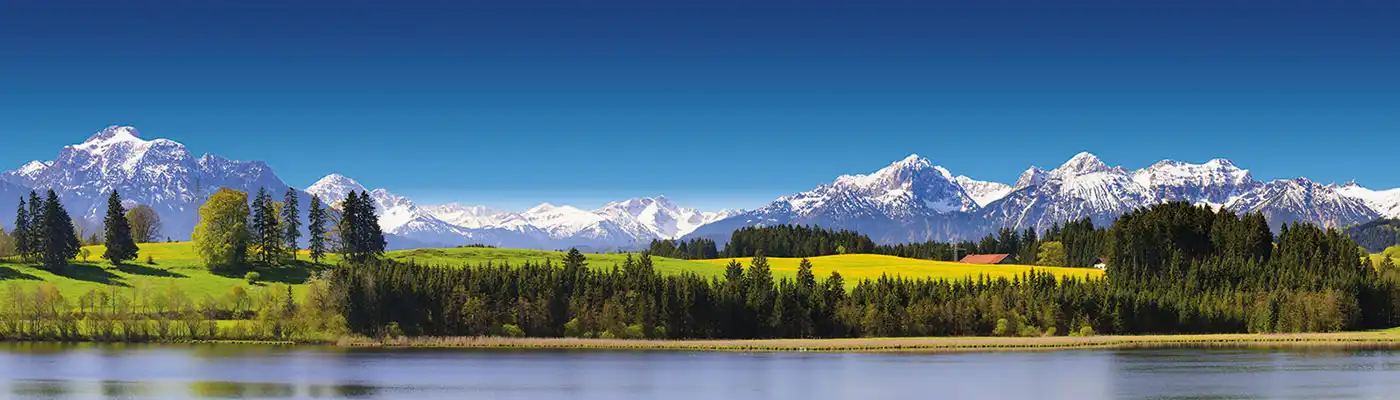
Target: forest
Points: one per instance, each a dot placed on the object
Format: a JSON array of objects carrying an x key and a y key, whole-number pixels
[
  {"x": 1173, "y": 268},
  {"x": 1376, "y": 236}
]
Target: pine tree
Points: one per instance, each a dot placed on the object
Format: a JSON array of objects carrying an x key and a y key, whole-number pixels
[
  {"x": 347, "y": 229},
  {"x": 60, "y": 243},
  {"x": 120, "y": 246},
  {"x": 370, "y": 241},
  {"x": 267, "y": 232},
  {"x": 290, "y": 224},
  {"x": 23, "y": 242},
  {"x": 316, "y": 228},
  {"x": 35, "y": 232}
]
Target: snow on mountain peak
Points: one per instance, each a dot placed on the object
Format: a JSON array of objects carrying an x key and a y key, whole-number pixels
[
  {"x": 1082, "y": 163},
  {"x": 541, "y": 209},
  {"x": 33, "y": 167},
  {"x": 983, "y": 192},
  {"x": 114, "y": 133},
  {"x": 1034, "y": 176},
  {"x": 1386, "y": 202},
  {"x": 334, "y": 187}
]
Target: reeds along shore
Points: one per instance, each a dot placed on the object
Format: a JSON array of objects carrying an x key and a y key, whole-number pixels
[{"x": 1345, "y": 340}]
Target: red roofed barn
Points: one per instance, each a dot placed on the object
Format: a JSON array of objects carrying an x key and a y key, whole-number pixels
[{"x": 988, "y": 259}]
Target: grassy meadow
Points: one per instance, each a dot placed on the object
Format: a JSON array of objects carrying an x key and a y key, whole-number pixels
[
  {"x": 173, "y": 264},
  {"x": 853, "y": 267},
  {"x": 176, "y": 265}
]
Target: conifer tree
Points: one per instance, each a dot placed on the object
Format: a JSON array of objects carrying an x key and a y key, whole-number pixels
[
  {"x": 366, "y": 240},
  {"x": 60, "y": 243},
  {"x": 267, "y": 232},
  {"x": 120, "y": 245},
  {"x": 23, "y": 242},
  {"x": 291, "y": 225},
  {"x": 316, "y": 228},
  {"x": 760, "y": 296},
  {"x": 35, "y": 232},
  {"x": 347, "y": 229}
]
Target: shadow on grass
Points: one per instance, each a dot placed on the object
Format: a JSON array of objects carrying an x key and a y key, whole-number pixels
[
  {"x": 137, "y": 269},
  {"x": 9, "y": 273},
  {"x": 91, "y": 273},
  {"x": 294, "y": 273}
]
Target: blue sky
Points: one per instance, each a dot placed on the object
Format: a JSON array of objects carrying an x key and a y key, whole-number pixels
[{"x": 715, "y": 104}]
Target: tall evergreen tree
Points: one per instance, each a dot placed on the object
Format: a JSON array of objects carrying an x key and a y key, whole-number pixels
[
  {"x": 374, "y": 243},
  {"x": 316, "y": 229},
  {"x": 23, "y": 239},
  {"x": 361, "y": 237},
  {"x": 347, "y": 229},
  {"x": 760, "y": 295},
  {"x": 291, "y": 225},
  {"x": 267, "y": 232},
  {"x": 120, "y": 245},
  {"x": 60, "y": 242},
  {"x": 35, "y": 233}
]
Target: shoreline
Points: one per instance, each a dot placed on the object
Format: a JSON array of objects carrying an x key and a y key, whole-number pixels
[{"x": 1342, "y": 340}]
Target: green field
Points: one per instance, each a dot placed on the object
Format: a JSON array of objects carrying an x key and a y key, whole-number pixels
[
  {"x": 853, "y": 267},
  {"x": 175, "y": 264}
]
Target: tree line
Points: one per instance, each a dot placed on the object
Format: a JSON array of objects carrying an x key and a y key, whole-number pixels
[
  {"x": 693, "y": 249},
  {"x": 1174, "y": 268},
  {"x": 237, "y": 233},
  {"x": 795, "y": 241},
  {"x": 1376, "y": 235}
]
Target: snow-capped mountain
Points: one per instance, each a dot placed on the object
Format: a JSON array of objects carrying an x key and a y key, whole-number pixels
[
  {"x": 1218, "y": 182},
  {"x": 1385, "y": 202},
  {"x": 983, "y": 192},
  {"x": 1302, "y": 200},
  {"x": 658, "y": 217},
  {"x": 159, "y": 173},
  {"x": 333, "y": 188},
  {"x": 1082, "y": 187},
  {"x": 628, "y": 224},
  {"x": 910, "y": 200}
]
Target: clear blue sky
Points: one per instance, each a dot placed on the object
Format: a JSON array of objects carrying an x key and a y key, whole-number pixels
[{"x": 716, "y": 103}]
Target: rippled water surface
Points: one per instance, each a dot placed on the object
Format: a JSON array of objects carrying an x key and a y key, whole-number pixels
[{"x": 234, "y": 371}]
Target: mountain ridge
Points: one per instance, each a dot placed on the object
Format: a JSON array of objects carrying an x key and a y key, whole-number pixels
[{"x": 910, "y": 200}]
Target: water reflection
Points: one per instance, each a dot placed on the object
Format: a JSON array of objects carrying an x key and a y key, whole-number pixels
[
  {"x": 81, "y": 371},
  {"x": 62, "y": 389}
]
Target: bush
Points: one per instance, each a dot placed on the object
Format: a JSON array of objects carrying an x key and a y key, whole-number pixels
[
  {"x": 1029, "y": 331},
  {"x": 573, "y": 328},
  {"x": 1002, "y": 328},
  {"x": 150, "y": 260},
  {"x": 1086, "y": 330},
  {"x": 392, "y": 330},
  {"x": 252, "y": 277},
  {"x": 509, "y": 330},
  {"x": 634, "y": 331},
  {"x": 607, "y": 335}
]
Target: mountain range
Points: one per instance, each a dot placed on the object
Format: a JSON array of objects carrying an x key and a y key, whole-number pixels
[
  {"x": 910, "y": 200},
  {"x": 915, "y": 200}
]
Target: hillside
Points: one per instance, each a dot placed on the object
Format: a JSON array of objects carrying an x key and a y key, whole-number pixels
[
  {"x": 1376, "y": 235},
  {"x": 853, "y": 267},
  {"x": 175, "y": 265}
]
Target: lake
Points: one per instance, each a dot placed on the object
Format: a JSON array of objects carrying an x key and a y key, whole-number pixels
[{"x": 87, "y": 371}]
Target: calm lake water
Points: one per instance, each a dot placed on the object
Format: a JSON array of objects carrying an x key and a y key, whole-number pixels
[{"x": 231, "y": 371}]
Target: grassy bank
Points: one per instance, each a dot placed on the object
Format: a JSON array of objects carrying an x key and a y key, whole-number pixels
[{"x": 1342, "y": 340}]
